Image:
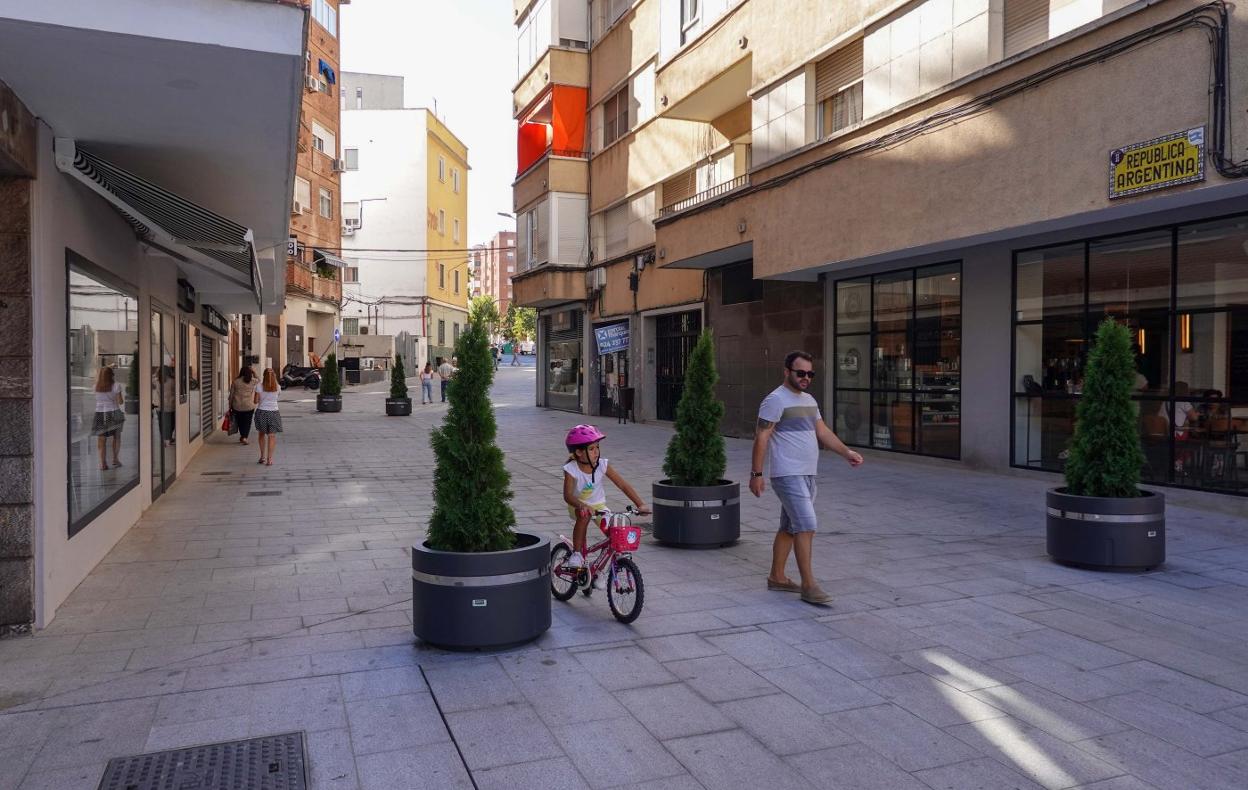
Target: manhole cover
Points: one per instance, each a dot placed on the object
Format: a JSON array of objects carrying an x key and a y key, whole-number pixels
[
  {"x": 274, "y": 762},
  {"x": 264, "y": 493}
]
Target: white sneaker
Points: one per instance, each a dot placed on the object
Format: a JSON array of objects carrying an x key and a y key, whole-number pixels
[{"x": 575, "y": 561}]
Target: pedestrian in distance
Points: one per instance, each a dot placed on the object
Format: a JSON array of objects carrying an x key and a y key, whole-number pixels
[
  {"x": 268, "y": 420},
  {"x": 108, "y": 416},
  {"x": 497, "y": 353},
  {"x": 789, "y": 433},
  {"x": 445, "y": 373},
  {"x": 426, "y": 384},
  {"x": 243, "y": 402},
  {"x": 515, "y": 353}
]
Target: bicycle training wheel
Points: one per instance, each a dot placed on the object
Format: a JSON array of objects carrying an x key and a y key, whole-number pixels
[
  {"x": 625, "y": 593},
  {"x": 560, "y": 587}
]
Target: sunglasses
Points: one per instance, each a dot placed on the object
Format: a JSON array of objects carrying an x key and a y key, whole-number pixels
[{"x": 803, "y": 374}]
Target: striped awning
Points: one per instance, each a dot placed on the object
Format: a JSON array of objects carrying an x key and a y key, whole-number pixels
[{"x": 166, "y": 220}]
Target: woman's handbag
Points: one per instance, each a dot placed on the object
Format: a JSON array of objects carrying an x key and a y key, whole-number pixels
[{"x": 227, "y": 424}]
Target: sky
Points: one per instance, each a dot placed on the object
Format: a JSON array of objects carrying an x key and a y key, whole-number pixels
[{"x": 463, "y": 53}]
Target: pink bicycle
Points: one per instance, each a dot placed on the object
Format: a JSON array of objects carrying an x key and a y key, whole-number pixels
[{"x": 613, "y": 556}]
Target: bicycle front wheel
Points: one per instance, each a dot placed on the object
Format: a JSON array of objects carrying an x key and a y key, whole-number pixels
[{"x": 625, "y": 592}]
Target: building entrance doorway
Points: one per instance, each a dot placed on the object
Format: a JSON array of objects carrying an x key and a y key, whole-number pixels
[
  {"x": 164, "y": 403},
  {"x": 675, "y": 336}
]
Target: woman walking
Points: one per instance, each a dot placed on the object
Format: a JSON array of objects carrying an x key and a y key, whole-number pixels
[
  {"x": 426, "y": 384},
  {"x": 268, "y": 421},
  {"x": 243, "y": 402},
  {"x": 108, "y": 416}
]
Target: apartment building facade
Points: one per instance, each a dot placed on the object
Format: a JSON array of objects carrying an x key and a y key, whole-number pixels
[
  {"x": 941, "y": 199},
  {"x": 304, "y": 333},
  {"x": 405, "y": 215},
  {"x": 494, "y": 267}
]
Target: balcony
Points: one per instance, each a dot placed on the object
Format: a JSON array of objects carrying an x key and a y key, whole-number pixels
[
  {"x": 555, "y": 127},
  {"x": 548, "y": 287},
  {"x": 705, "y": 195},
  {"x": 303, "y": 280}
]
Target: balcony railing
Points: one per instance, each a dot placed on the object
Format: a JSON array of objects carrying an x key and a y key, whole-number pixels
[
  {"x": 549, "y": 152},
  {"x": 305, "y": 280},
  {"x": 705, "y": 195}
]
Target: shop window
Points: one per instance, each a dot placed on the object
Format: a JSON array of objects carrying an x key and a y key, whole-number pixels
[
  {"x": 737, "y": 284},
  {"x": 898, "y": 361},
  {"x": 1180, "y": 291},
  {"x": 104, "y": 377}
]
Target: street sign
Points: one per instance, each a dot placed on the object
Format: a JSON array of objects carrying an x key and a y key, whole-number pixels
[
  {"x": 337, "y": 335},
  {"x": 1162, "y": 162}
]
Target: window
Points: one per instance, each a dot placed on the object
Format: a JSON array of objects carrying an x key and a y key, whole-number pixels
[
  {"x": 615, "y": 117},
  {"x": 898, "y": 361},
  {"x": 442, "y": 276},
  {"x": 456, "y": 273},
  {"x": 442, "y": 222},
  {"x": 455, "y": 229},
  {"x": 838, "y": 89},
  {"x": 738, "y": 285},
  {"x": 1026, "y": 24},
  {"x": 350, "y": 326},
  {"x": 456, "y": 332},
  {"x": 359, "y": 98},
  {"x": 351, "y": 274},
  {"x": 303, "y": 195},
  {"x": 616, "y": 221},
  {"x": 688, "y": 12},
  {"x": 455, "y": 179},
  {"x": 351, "y": 158},
  {"x": 102, "y": 356},
  {"x": 326, "y": 205},
  {"x": 326, "y": 15},
  {"x": 441, "y": 332},
  {"x": 1180, "y": 291},
  {"x": 442, "y": 169},
  {"x": 324, "y": 141}
]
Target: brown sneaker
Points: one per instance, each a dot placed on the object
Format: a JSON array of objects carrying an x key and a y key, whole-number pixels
[
  {"x": 816, "y": 595},
  {"x": 785, "y": 586}
]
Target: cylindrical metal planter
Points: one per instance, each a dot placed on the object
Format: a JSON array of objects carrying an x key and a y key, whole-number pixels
[
  {"x": 398, "y": 407},
  {"x": 703, "y": 517},
  {"x": 1106, "y": 532},
  {"x": 329, "y": 403},
  {"x": 484, "y": 600}
]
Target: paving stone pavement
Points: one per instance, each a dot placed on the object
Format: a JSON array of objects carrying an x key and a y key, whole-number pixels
[{"x": 254, "y": 600}]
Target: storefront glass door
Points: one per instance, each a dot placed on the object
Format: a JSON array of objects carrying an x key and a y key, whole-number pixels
[{"x": 164, "y": 403}]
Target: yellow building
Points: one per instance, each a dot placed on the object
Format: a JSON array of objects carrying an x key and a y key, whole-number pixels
[{"x": 447, "y": 271}]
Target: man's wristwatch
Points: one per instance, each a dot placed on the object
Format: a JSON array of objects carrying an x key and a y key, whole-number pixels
[{"x": 755, "y": 474}]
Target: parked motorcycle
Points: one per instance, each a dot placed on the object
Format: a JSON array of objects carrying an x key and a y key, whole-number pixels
[{"x": 295, "y": 375}]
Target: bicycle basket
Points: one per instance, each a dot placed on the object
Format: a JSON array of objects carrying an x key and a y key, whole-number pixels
[{"x": 625, "y": 539}]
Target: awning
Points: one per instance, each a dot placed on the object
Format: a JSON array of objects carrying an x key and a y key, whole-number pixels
[
  {"x": 329, "y": 259},
  {"x": 168, "y": 221},
  {"x": 327, "y": 70}
]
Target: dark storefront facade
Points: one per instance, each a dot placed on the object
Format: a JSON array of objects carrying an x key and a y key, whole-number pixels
[{"x": 563, "y": 358}]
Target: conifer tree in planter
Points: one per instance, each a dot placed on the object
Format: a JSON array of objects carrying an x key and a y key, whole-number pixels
[
  {"x": 1101, "y": 518},
  {"x": 476, "y": 583},
  {"x": 695, "y": 507},
  {"x": 398, "y": 404},
  {"x": 330, "y": 396}
]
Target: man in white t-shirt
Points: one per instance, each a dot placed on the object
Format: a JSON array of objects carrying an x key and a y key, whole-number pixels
[
  {"x": 445, "y": 373},
  {"x": 789, "y": 434}
]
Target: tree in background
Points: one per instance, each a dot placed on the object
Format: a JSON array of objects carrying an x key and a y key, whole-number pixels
[
  {"x": 330, "y": 384},
  {"x": 398, "y": 378},
  {"x": 695, "y": 454},
  {"x": 1105, "y": 455},
  {"x": 508, "y": 327},
  {"x": 525, "y": 323},
  {"x": 483, "y": 310},
  {"x": 471, "y": 486}
]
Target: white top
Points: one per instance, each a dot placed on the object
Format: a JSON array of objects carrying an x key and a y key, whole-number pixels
[
  {"x": 589, "y": 489},
  {"x": 268, "y": 400},
  {"x": 426, "y": 376},
  {"x": 794, "y": 448},
  {"x": 107, "y": 401}
]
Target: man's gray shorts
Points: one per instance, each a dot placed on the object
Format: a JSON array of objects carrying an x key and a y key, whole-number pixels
[{"x": 797, "y": 502}]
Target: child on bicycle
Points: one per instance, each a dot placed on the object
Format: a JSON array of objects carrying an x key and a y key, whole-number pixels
[{"x": 583, "y": 487}]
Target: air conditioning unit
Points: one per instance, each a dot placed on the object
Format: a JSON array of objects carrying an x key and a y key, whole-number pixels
[
  {"x": 351, "y": 222},
  {"x": 340, "y": 166},
  {"x": 296, "y": 208},
  {"x": 347, "y": 230},
  {"x": 595, "y": 279},
  {"x": 311, "y": 83}
]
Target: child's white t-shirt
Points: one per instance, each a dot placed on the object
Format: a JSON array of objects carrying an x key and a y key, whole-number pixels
[{"x": 589, "y": 488}]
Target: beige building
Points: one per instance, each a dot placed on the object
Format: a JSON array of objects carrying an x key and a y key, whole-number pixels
[{"x": 940, "y": 200}]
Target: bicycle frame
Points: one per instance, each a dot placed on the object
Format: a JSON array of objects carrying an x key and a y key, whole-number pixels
[{"x": 606, "y": 554}]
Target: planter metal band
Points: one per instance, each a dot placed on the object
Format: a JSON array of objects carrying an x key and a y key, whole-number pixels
[
  {"x": 481, "y": 581},
  {"x": 1141, "y": 518},
  {"x": 696, "y": 502}
]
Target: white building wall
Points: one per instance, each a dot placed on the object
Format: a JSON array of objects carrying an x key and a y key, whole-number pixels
[{"x": 392, "y": 165}]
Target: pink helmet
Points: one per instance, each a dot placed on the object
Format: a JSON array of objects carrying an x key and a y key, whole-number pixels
[{"x": 583, "y": 435}]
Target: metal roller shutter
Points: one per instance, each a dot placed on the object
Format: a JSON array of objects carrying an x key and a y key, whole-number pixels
[
  {"x": 838, "y": 70},
  {"x": 1026, "y": 24},
  {"x": 207, "y": 377}
]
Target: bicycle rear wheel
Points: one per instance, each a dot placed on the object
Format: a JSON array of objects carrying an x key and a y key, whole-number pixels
[
  {"x": 560, "y": 587},
  {"x": 625, "y": 592}
]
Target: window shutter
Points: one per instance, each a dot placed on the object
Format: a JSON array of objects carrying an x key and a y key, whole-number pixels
[
  {"x": 679, "y": 187},
  {"x": 541, "y": 232},
  {"x": 838, "y": 70},
  {"x": 571, "y": 241},
  {"x": 1026, "y": 24},
  {"x": 617, "y": 230}
]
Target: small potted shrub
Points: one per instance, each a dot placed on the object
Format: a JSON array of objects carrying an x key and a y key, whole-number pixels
[
  {"x": 330, "y": 396},
  {"x": 132, "y": 387},
  {"x": 1100, "y": 518},
  {"x": 398, "y": 404},
  {"x": 695, "y": 506},
  {"x": 476, "y": 583}
]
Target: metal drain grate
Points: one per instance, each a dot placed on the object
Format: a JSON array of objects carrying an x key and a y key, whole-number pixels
[
  {"x": 264, "y": 493},
  {"x": 274, "y": 762}
]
